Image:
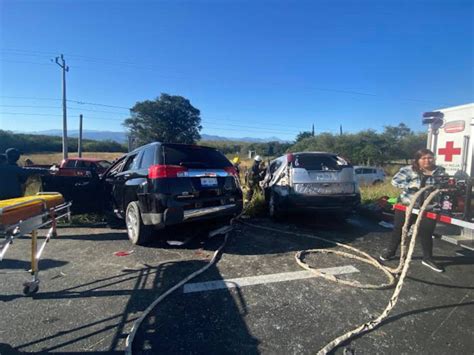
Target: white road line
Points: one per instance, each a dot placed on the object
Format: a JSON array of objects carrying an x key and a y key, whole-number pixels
[{"x": 264, "y": 279}]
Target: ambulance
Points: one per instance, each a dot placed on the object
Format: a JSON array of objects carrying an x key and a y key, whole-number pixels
[{"x": 450, "y": 138}]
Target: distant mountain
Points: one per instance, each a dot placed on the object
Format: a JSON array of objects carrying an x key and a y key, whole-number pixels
[{"x": 121, "y": 137}]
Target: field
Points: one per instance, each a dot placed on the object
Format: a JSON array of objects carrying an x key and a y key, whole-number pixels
[
  {"x": 55, "y": 158},
  {"x": 372, "y": 193}
]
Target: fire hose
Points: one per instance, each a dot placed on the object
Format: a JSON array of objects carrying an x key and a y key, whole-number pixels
[
  {"x": 149, "y": 309},
  {"x": 402, "y": 269}
]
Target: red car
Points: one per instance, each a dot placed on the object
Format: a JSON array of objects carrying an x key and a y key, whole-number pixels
[{"x": 83, "y": 167}]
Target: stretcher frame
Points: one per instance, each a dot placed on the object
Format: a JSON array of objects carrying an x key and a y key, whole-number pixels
[{"x": 31, "y": 225}]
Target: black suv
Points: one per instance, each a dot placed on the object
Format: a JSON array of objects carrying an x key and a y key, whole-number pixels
[{"x": 162, "y": 184}]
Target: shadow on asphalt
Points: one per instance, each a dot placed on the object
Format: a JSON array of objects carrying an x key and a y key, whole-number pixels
[
  {"x": 188, "y": 322},
  {"x": 198, "y": 323},
  {"x": 119, "y": 235},
  {"x": 44, "y": 264},
  {"x": 204, "y": 322}
]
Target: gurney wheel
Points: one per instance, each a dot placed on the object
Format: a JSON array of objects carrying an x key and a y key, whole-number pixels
[{"x": 30, "y": 288}]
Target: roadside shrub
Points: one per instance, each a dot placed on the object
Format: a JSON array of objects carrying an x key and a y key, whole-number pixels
[{"x": 372, "y": 193}]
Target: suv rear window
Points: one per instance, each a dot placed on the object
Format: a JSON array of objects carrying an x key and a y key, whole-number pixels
[
  {"x": 319, "y": 162},
  {"x": 192, "y": 156}
]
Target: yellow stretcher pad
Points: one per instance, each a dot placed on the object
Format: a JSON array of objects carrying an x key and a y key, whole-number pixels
[{"x": 15, "y": 210}]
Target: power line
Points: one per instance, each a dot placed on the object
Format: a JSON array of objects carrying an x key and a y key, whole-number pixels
[
  {"x": 69, "y": 107},
  {"x": 96, "y": 104},
  {"x": 274, "y": 84},
  {"x": 205, "y": 119},
  {"x": 241, "y": 130},
  {"x": 101, "y": 111},
  {"x": 255, "y": 128},
  {"x": 82, "y": 58},
  {"x": 205, "y": 126},
  {"x": 53, "y": 115},
  {"x": 23, "y": 62},
  {"x": 29, "y": 114},
  {"x": 26, "y": 51},
  {"x": 53, "y": 99},
  {"x": 122, "y": 107},
  {"x": 29, "y": 98}
]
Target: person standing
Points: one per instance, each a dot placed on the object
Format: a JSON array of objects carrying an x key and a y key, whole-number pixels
[
  {"x": 236, "y": 164},
  {"x": 254, "y": 176},
  {"x": 13, "y": 176},
  {"x": 410, "y": 179}
]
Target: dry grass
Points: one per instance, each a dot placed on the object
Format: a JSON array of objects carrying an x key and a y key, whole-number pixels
[
  {"x": 257, "y": 206},
  {"x": 55, "y": 158},
  {"x": 374, "y": 192}
]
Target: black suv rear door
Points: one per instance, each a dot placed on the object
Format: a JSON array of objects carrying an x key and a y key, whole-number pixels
[{"x": 207, "y": 173}]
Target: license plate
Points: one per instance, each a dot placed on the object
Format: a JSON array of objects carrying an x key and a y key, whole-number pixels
[{"x": 208, "y": 181}]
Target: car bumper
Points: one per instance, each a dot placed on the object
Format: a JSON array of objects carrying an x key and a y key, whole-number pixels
[
  {"x": 346, "y": 202},
  {"x": 176, "y": 215}
]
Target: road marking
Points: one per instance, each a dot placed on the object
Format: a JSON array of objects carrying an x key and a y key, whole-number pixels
[{"x": 264, "y": 279}]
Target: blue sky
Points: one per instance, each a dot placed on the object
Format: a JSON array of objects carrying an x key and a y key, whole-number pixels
[{"x": 259, "y": 69}]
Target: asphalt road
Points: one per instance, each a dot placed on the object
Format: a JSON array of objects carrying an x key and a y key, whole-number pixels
[{"x": 90, "y": 297}]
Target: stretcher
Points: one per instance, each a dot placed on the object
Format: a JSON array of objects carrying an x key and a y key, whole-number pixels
[{"x": 24, "y": 216}]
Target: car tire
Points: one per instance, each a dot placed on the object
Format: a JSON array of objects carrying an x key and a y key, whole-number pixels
[
  {"x": 137, "y": 232},
  {"x": 273, "y": 209}
]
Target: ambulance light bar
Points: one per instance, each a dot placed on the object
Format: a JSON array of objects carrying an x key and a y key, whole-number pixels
[{"x": 435, "y": 118}]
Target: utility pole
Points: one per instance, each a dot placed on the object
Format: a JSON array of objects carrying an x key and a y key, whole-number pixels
[
  {"x": 79, "y": 142},
  {"x": 62, "y": 63},
  {"x": 131, "y": 142}
]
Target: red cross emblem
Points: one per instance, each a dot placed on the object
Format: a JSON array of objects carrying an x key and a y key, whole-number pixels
[{"x": 449, "y": 151}]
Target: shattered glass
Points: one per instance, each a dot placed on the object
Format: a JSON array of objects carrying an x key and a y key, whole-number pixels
[{"x": 325, "y": 188}]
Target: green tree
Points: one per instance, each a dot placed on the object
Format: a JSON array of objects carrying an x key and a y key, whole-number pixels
[
  {"x": 397, "y": 132},
  {"x": 410, "y": 144},
  {"x": 303, "y": 135},
  {"x": 168, "y": 119},
  {"x": 394, "y": 135}
]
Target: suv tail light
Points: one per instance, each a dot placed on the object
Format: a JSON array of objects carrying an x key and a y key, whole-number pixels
[
  {"x": 166, "y": 171},
  {"x": 231, "y": 170}
]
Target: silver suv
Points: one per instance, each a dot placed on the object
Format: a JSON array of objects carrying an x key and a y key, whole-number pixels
[{"x": 310, "y": 181}]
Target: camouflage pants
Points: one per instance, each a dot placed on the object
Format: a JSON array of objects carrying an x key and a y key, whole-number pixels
[{"x": 252, "y": 188}]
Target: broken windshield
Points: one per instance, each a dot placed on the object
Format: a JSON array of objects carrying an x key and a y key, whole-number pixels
[{"x": 319, "y": 162}]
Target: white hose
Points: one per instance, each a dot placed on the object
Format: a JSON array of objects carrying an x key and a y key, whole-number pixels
[
  {"x": 138, "y": 322},
  {"x": 405, "y": 259}
]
